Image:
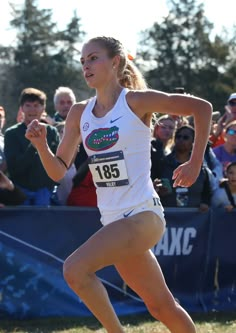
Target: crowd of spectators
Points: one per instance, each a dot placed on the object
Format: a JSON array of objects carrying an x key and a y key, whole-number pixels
[
  {"x": 23, "y": 180},
  {"x": 216, "y": 184}
]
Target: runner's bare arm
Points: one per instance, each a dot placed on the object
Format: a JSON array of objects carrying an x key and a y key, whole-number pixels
[
  {"x": 56, "y": 165},
  {"x": 147, "y": 102}
]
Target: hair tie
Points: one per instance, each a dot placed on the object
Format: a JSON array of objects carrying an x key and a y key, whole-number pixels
[
  {"x": 62, "y": 162},
  {"x": 130, "y": 57}
]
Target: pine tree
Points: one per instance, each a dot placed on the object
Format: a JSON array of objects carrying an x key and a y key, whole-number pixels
[
  {"x": 46, "y": 57},
  {"x": 181, "y": 51}
]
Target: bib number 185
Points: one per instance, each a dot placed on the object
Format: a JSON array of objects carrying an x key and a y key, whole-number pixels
[{"x": 108, "y": 171}]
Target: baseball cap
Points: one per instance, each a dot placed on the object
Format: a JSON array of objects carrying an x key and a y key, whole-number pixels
[
  {"x": 215, "y": 115},
  {"x": 232, "y": 96}
]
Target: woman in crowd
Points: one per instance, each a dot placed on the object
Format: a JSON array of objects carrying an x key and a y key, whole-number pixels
[
  {"x": 226, "y": 152},
  {"x": 225, "y": 195},
  {"x": 162, "y": 143},
  {"x": 198, "y": 194}
]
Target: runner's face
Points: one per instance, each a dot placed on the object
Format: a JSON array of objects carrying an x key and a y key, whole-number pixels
[{"x": 97, "y": 66}]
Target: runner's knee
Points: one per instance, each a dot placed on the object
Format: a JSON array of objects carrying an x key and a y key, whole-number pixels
[
  {"x": 163, "y": 309},
  {"x": 76, "y": 274}
]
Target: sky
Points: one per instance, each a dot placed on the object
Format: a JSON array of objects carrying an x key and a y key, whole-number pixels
[{"x": 122, "y": 19}]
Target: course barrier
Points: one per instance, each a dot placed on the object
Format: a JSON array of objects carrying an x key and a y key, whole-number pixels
[{"x": 196, "y": 253}]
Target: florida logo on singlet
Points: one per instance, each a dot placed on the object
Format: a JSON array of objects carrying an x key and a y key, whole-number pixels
[{"x": 102, "y": 138}]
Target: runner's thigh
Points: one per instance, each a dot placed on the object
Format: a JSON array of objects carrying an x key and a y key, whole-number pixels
[
  {"x": 119, "y": 240},
  {"x": 143, "y": 274}
]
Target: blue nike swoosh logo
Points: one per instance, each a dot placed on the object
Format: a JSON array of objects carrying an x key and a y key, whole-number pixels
[
  {"x": 112, "y": 121},
  {"x": 127, "y": 214}
]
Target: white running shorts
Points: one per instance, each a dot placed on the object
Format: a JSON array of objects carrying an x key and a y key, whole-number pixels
[{"x": 153, "y": 205}]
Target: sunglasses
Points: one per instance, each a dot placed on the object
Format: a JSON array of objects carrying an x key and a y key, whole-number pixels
[
  {"x": 232, "y": 103},
  {"x": 231, "y": 131},
  {"x": 166, "y": 127},
  {"x": 184, "y": 137}
]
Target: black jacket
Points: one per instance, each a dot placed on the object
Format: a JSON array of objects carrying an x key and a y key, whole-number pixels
[
  {"x": 199, "y": 192},
  {"x": 23, "y": 162}
]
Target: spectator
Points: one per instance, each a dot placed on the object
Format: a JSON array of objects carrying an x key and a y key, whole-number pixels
[
  {"x": 162, "y": 143},
  {"x": 65, "y": 184},
  {"x": 225, "y": 195},
  {"x": 64, "y": 98},
  {"x": 226, "y": 152},
  {"x": 10, "y": 194},
  {"x": 24, "y": 164},
  {"x": 215, "y": 169},
  {"x": 164, "y": 131},
  {"x": 197, "y": 195},
  {"x": 83, "y": 192},
  {"x": 3, "y": 164},
  {"x": 217, "y": 137},
  {"x": 45, "y": 118}
]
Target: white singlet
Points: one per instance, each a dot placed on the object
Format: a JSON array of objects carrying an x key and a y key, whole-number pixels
[{"x": 118, "y": 146}]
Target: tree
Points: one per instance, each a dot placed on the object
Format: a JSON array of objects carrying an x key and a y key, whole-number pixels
[
  {"x": 45, "y": 57},
  {"x": 182, "y": 52}
]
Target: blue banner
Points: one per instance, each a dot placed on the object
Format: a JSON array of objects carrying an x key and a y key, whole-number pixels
[
  {"x": 196, "y": 255},
  {"x": 182, "y": 254},
  {"x": 220, "y": 279}
]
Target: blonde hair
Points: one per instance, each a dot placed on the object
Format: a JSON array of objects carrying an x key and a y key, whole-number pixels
[
  {"x": 170, "y": 143},
  {"x": 129, "y": 75}
]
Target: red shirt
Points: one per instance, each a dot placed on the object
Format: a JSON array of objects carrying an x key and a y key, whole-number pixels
[
  {"x": 84, "y": 194},
  {"x": 216, "y": 141}
]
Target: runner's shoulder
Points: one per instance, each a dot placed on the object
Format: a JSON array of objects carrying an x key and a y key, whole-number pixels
[{"x": 80, "y": 106}]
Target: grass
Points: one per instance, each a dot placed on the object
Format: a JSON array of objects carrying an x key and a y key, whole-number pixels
[{"x": 210, "y": 323}]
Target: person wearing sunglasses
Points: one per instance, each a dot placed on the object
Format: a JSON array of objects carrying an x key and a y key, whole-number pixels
[
  {"x": 217, "y": 138},
  {"x": 197, "y": 195},
  {"x": 227, "y": 152}
]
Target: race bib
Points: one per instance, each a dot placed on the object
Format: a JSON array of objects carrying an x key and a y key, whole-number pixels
[{"x": 109, "y": 169}]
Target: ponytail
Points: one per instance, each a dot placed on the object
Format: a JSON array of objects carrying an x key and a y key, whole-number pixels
[{"x": 131, "y": 77}]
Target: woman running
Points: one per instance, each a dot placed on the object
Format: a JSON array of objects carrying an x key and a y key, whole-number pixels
[{"x": 115, "y": 129}]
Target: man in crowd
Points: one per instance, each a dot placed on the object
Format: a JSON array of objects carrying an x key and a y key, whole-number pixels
[
  {"x": 24, "y": 165},
  {"x": 63, "y": 99}
]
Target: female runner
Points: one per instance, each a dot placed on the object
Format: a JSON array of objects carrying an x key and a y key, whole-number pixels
[{"x": 115, "y": 129}]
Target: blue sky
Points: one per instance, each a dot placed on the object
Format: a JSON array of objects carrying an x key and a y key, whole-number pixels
[{"x": 122, "y": 19}]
